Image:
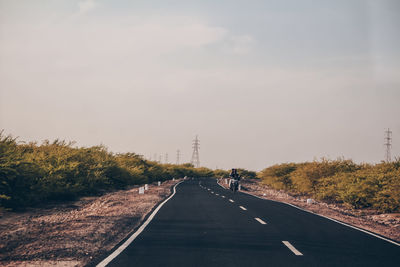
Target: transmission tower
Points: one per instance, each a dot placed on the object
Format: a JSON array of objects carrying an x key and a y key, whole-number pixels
[
  {"x": 166, "y": 158},
  {"x": 178, "y": 155},
  {"x": 388, "y": 144},
  {"x": 195, "y": 156}
]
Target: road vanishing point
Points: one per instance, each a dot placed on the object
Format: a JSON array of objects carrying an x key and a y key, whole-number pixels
[{"x": 203, "y": 224}]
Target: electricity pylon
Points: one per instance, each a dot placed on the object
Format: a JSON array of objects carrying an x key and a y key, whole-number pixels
[
  {"x": 195, "y": 156},
  {"x": 388, "y": 144}
]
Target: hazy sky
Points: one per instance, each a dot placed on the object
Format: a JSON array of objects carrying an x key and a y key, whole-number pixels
[{"x": 260, "y": 82}]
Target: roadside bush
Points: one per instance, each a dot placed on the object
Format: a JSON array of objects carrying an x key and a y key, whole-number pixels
[
  {"x": 31, "y": 174},
  {"x": 307, "y": 176},
  {"x": 246, "y": 174},
  {"x": 221, "y": 173},
  {"x": 278, "y": 176},
  {"x": 356, "y": 185}
]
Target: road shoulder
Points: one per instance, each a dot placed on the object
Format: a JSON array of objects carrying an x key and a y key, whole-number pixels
[{"x": 76, "y": 233}]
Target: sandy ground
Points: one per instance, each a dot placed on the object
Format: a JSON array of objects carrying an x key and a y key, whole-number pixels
[
  {"x": 387, "y": 224},
  {"x": 75, "y": 233}
]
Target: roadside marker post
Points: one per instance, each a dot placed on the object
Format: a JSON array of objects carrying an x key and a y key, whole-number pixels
[
  {"x": 141, "y": 190},
  {"x": 146, "y": 187},
  {"x": 159, "y": 183}
]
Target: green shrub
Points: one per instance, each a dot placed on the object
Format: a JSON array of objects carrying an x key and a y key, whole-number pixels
[
  {"x": 32, "y": 173},
  {"x": 356, "y": 185},
  {"x": 278, "y": 176}
]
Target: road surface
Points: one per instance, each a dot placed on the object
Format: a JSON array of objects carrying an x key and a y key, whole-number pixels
[{"x": 204, "y": 224}]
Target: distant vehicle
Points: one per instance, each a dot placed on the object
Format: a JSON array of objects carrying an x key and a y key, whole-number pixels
[{"x": 234, "y": 181}]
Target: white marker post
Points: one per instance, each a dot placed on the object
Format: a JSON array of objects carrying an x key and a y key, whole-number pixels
[
  {"x": 310, "y": 201},
  {"x": 240, "y": 187},
  {"x": 173, "y": 179},
  {"x": 146, "y": 187},
  {"x": 159, "y": 183},
  {"x": 141, "y": 190},
  {"x": 226, "y": 181}
]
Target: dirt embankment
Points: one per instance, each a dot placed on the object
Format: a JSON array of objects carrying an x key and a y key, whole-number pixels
[
  {"x": 383, "y": 224},
  {"x": 75, "y": 233}
]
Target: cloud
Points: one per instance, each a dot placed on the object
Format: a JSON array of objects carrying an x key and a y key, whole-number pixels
[
  {"x": 241, "y": 44},
  {"x": 95, "y": 45},
  {"x": 142, "y": 54},
  {"x": 110, "y": 57},
  {"x": 86, "y": 5}
]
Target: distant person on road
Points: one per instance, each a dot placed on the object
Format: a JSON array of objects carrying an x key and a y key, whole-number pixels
[{"x": 234, "y": 181}]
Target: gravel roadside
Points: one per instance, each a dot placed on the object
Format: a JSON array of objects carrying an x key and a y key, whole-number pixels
[{"x": 75, "y": 233}]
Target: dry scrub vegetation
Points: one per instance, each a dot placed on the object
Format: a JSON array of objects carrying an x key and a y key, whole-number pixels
[
  {"x": 33, "y": 174},
  {"x": 357, "y": 186}
]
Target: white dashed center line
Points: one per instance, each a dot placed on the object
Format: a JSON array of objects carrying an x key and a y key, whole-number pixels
[
  {"x": 223, "y": 196},
  {"x": 293, "y": 249},
  {"x": 208, "y": 189},
  {"x": 243, "y": 208},
  {"x": 231, "y": 200},
  {"x": 260, "y": 221},
  {"x": 217, "y": 194}
]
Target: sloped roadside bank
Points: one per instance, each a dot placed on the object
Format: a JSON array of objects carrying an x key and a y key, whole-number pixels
[
  {"x": 76, "y": 233},
  {"x": 385, "y": 224}
]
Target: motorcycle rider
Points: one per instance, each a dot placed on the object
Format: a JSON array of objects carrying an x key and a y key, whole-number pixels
[{"x": 234, "y": 181}]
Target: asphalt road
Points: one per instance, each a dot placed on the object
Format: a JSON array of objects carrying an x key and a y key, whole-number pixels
[{"x": 207, "y": 225}]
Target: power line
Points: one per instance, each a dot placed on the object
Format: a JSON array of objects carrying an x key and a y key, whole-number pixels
[
  {"x": 195, "y": 156},
  {"x": 388, "y": 144}
]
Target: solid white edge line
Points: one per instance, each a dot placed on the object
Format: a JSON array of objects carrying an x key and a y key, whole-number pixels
[
  {"x": 260, "y": 221},
  {"x": 292, "y": 248},
  {"x": 334, "y": 220},
  {"x": 243, "y": 208},
  {"x": 136, "y": 234}
]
